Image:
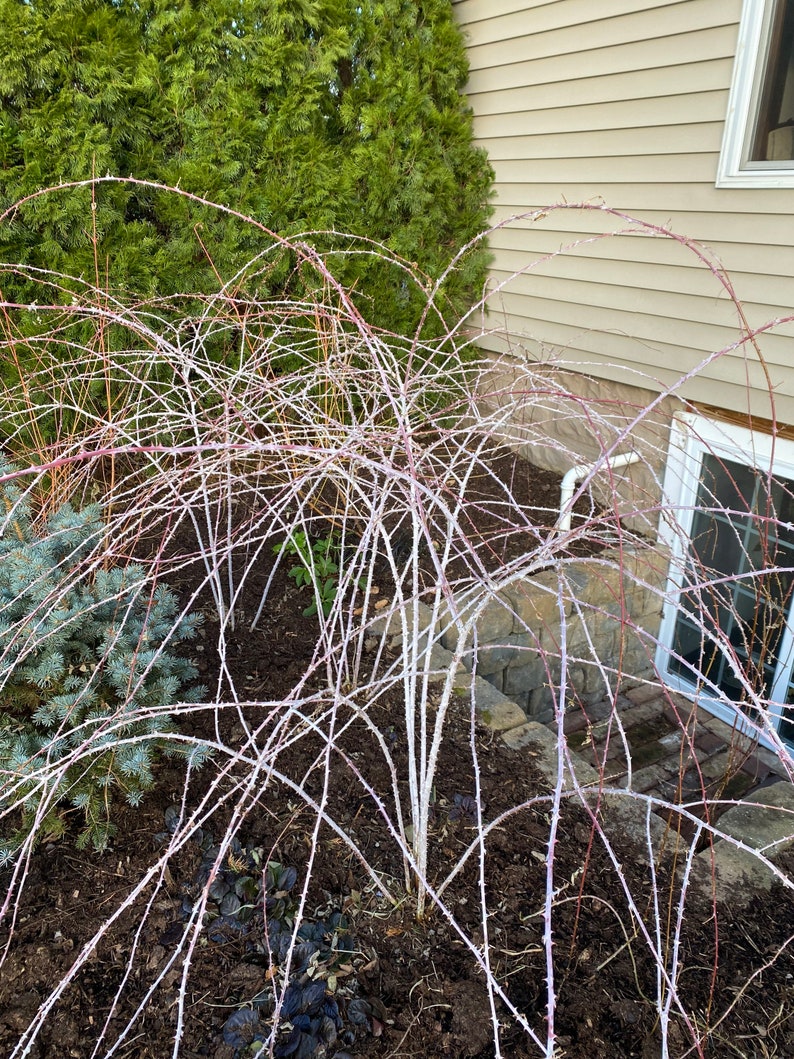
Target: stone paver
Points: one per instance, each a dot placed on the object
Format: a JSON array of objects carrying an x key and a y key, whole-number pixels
[
  {"x": 768, "y": 813},
  {"x": 708, "y": 741},
  {"x": 675, "y": 751},
  {"x": 648, "y": 753},
  {"x": 641, "y": 713},
  {"x": 619, "y": 816},
  {"x": 765, "y": 824},
  {"x": 579, "y": 717},
  {"x": 541, "y": 743},
  {"x": 390, "y": 626},
  {"x": 721, "y": 766},
  {"x": 496, "y": 711},
  {"x": 645, "y": 779},
  {"x": 662, "y": 757},
  {"x": 643, "y": 694},
  {"x": 677, "y": 709},
  {"x": 725, "y": 731},
  {"x": 773, "y": 763}
]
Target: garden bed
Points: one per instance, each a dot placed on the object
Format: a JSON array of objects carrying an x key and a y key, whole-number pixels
[
  {"x": 405, "y": 987},
  {"x": 418, "y": 978}
]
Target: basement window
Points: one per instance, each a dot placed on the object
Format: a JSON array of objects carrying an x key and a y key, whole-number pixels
[
  {"x": 758, "y": 144},
  {"x": 727, "y": 637}
]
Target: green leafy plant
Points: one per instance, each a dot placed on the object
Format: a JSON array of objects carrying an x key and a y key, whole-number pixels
[
  {"x": 308, "y": 963},
  {"x": 84, "y": 672},
  {"x": 317, "y": 566},
  {"x": 343, "y": 116}
]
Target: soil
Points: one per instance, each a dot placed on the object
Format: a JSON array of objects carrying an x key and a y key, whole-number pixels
[{"x": 425, "y": 994}]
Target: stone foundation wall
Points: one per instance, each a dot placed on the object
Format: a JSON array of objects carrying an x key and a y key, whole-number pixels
[{"x": 604, "y": 611}]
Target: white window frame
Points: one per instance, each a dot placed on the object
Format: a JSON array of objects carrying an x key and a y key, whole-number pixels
[
  {"x": 691, "y": 438},
  {"x": 734, "y": 170}
]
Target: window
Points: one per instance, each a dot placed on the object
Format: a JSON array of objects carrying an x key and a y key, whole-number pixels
[
  {"x": 728, "y": 630},
  {"x": 758, "y": 145}
]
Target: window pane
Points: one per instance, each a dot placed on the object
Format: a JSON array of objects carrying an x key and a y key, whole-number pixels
[
  {"x": 738, "y": 588},
  {"x": 773, "y": 138},
  {"x": 786, "y": 728},
  {"x": 725, "y": 484}
]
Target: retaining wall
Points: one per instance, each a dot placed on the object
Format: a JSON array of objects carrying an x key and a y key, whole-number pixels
[{"x": 601, "y": 613}]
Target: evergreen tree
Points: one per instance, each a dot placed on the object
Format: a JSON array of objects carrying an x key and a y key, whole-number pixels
[
  {"x": 82, "y": 653},
  {"x": 342, "y": 115}
]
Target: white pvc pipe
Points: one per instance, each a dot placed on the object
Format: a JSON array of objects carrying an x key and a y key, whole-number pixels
[{"x": 576, "y": 474}]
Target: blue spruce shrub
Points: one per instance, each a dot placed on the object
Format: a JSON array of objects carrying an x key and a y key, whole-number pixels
[{"x": 84, "y": 649}]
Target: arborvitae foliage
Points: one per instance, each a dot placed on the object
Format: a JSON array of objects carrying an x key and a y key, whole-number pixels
[
  {"x": 83, "y": 650},
  {"x": 342, "y": 115}
]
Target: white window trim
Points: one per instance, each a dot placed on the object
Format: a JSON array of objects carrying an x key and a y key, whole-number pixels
[
  {"x": 733, "y": 170},
  {"x": 692, "y": 436}
]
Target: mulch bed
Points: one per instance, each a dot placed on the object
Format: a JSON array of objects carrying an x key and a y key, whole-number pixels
[{"x": 424, "y": 993}]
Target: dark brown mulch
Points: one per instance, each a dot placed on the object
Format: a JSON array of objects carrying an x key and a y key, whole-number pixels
[{"x": 422, "y": 982}]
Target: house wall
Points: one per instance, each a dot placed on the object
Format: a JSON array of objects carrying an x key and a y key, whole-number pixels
[{"x": 623, "y": 102}]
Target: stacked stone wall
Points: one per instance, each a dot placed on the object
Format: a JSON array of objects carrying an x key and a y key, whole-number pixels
[{"x": 600, "y": 616}]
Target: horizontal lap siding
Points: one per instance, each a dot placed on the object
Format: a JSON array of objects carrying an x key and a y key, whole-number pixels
[
  {"x": 644, "y": 362},
  {"x": 661, "y": 264},
  {"x": 605, "y": 144},
  {"x": 622, "y": 102},
  {"x": 681, "y": 199},
  {"x": 624, "y": 61},
  {"x": 633, "y": 271},
  {"x": 542, "y": 30}
]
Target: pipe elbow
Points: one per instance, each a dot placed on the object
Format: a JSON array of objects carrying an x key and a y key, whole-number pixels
[{"x": 576, "y": 474}]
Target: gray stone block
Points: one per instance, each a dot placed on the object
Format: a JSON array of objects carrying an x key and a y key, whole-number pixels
[
  {"x": 494, "y": 618},
  {"x": 523, "y": 679},
  {"x": 764, "y": 824},
  {"x": 576, "y": 679},
  {"x": 540, "y": 743},
  {"x": 635, "y": 655},
  {"x": 594, "y": 681},
  {"x": 495, "y": 656},
  {"x": 619, "y": 816},
  {"x": 440, "y": 664},
  {"x": 496, "y": 711},
  {"x": 497, "y": 680},
  {"x": 578, "y": 581},
  {"x": 520, "y": 698},
  {"x": 541, "y": 704},
  {"x": 625, "y": 815},
  {"x": 767, "y": 818},
  {"x": 536, "y": 605}
]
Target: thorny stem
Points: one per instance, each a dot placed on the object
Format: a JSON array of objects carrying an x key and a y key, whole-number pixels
[{"x": 380, "y": 436}]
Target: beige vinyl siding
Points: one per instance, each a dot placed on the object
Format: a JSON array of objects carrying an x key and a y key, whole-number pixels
[
  {"x": 585, "y": 348},
  {"x": 771, "y": 224},
  {"x": 623, "y": 103},
  {"x": 624, "y": 61},
  {"x": 652, "y": 278},
  {"x": 488, "y": 20},
  {"x": 543, "y": 30},
  {"x": 699, "y": 322},
  {"x": 605, "y": 144},
  {"x": 565, "y": 115}
]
